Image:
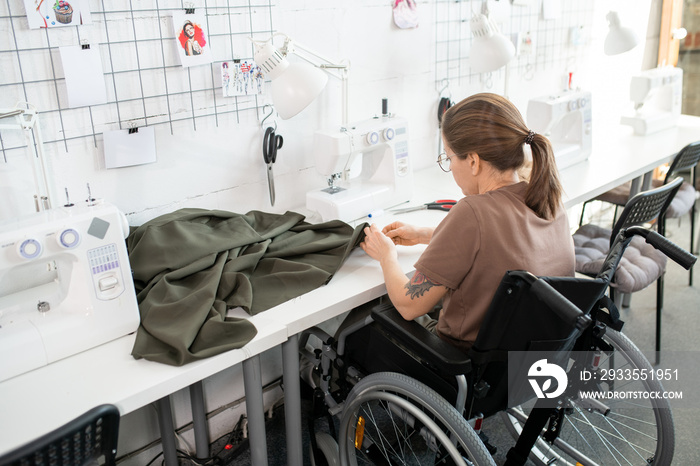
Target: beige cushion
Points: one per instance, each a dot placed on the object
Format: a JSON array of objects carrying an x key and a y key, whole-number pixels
[{"x": 641, "y": 265}]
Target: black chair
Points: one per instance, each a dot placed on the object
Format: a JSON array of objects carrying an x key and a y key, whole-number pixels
[
  {"x": 79, "y": 442},
  {"x": 683, "y": 202},
  {"x": 643, "y": 264}
]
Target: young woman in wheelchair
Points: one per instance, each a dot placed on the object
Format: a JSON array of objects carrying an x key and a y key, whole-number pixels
[
  {"x": 500, "y": 267},
  {"x": 503, "y": 223}
]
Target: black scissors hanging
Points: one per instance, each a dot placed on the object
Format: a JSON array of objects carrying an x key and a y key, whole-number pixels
[{"x": 272, "y": 142}]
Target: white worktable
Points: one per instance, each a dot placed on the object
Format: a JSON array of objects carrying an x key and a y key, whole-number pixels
[{"x": 39, "y": 401}]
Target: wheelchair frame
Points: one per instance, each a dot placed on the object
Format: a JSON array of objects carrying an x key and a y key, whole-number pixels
[{"x": 347, "y": 379}]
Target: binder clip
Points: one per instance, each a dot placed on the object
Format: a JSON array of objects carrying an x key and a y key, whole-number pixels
[{"x": 133, "y": 130}]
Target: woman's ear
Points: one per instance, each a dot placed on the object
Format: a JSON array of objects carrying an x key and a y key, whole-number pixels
[{"x": 474, "y": 163}]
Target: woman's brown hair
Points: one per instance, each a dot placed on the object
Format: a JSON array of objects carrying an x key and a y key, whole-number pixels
[{"x": 492, "y": 126}]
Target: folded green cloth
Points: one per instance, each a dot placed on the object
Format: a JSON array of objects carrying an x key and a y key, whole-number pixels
[{"x": 191, "y": 265}]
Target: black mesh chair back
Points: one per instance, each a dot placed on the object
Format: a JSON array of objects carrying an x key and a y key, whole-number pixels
[
  {"x": 686, "y": 159},
  {"x": 646, "y": 206},
  {"x": 80, "y": 442},
  {"x": 519, "y": 321}
]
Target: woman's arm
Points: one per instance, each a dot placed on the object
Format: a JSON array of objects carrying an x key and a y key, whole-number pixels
[{"x": 412, "y": 298}]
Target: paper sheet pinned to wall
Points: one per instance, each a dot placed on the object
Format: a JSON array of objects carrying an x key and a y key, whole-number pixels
[
  {"x": 85, "y": 82},
  {"x": 57, "y": 13},
  {"x": 191, "y": 38},
  {"x": 124, "y": 149},
  {"x": 551, "y": 9}
]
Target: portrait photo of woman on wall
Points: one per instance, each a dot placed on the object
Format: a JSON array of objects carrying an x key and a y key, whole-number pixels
[{"x": 193, "y": 48}]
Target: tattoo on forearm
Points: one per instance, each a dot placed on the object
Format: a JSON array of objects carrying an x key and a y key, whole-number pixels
[{"x": 418, "y": 285}]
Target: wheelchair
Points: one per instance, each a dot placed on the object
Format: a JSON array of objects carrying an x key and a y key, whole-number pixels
[{"x": 394, "y": 393}]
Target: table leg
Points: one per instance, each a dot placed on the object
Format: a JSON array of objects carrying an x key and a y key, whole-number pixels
[
  {"x": 199, "y": 420},
  {"x": 635, "y": 186},
  {"x": 252, "y": 381},
  {"x": 167, "y": 431},
  {"x": 292, "y": 400}
]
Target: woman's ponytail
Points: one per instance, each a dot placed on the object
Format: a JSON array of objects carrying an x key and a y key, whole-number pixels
[{"x": 544, "y": 191}]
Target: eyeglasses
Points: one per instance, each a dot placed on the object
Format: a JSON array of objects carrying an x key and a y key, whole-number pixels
[{"x": 444, "y": 161}]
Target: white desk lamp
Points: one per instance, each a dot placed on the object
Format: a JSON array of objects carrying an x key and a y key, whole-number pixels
[
  {"x": 619, "y": 39},
  {"x": 295, "y": 85},
  {"x": 490, "y": 50}
]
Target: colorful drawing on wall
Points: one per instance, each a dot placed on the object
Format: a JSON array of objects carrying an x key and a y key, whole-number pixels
[
  {"x": 192, "y": 44},
  {"x": 241, "y": 77},
  {"x": 57, "y": 13}
]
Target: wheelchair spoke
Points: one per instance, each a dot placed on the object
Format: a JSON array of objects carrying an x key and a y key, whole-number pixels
[
  {"x": 406, "y": 423},
  {"x": 632, "y": 433}
]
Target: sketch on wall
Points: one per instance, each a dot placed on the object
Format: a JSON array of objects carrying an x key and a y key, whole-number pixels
[
  {"x": 241, "y": 77},
  {"x": 191, "y": 34},
  {"x": 50, "y": 14}
]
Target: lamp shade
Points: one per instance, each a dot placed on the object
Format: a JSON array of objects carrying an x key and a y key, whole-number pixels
[
  {"x": 619, "y": 39},
  {"x": 490, "y": 49},
  {"x": 293, "y": 85}
]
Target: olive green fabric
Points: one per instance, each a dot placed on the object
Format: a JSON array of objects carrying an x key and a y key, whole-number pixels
[{"x": 191, "y": 265}]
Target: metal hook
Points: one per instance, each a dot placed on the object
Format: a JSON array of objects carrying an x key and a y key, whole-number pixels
[
  {"x": 272, "y": 111},
  {"x": 446, "y": 85}
]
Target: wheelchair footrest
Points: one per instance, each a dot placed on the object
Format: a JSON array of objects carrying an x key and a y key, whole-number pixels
[{"x": 419, "y": 340}]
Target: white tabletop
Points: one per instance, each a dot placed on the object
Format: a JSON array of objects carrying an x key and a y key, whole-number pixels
[{"x": 44, "y": 399}]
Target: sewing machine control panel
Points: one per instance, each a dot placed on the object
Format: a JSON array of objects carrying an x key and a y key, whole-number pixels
[{"x": 105, "y": 270}]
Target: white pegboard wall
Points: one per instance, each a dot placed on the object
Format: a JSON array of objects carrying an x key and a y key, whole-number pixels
[
  {"x": 146, "y": 85},
  {"x": 552, "y": 46}
]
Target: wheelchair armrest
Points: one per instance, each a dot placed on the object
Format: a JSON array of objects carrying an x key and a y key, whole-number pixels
[{"x": 419, "y": 340}]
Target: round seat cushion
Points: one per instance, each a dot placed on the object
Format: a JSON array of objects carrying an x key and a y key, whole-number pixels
[{"x": 641, "y": 264}]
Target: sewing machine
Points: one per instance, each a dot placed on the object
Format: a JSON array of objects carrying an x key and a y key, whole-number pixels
[
  {"x": 657, "y": 95},
  {"x": 565, "y": 119},
  {"x": 65, "y": 285},
  {"x": 368, "y": 168}
]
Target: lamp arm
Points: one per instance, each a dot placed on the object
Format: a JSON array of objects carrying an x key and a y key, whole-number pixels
[{"x": 28, "y": 120}]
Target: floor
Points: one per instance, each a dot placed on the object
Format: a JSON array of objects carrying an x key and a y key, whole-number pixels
[{"x": 680, "y": 330}]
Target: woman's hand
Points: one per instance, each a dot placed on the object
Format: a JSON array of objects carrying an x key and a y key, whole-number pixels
[
  {"x": 377, "y": 245},
  {"x": 407, "y": 235}
]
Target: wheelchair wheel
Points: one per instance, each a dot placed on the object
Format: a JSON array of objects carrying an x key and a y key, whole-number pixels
[
  {"x": 634, "y": 432},
  {"x": 394, "y": 419},
  {"x": 328, "y": 447}
]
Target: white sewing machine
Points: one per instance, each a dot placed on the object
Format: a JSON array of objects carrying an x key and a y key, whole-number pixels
[
  {"x": 368, "y": 168},
  {"x": 65, "y": 285},
  {"x": 657, "y": 95},
  {"x": 565, "y": 119}
]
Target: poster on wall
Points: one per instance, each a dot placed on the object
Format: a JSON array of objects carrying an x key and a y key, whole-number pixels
[
  {"x": 191, "y": 37},
  {"x": 241, "y": 77},
  {"x": 56, "y": 13}
]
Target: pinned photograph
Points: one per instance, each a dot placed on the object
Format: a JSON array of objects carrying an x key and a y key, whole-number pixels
[
  {"x": 191, "y": 38},
  {"x": 56, "y": 13},
  {"x": 241, "y": 77}
]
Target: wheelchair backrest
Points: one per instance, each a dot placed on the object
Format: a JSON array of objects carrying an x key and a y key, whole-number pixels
[{"x": 518, "y": 321}]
